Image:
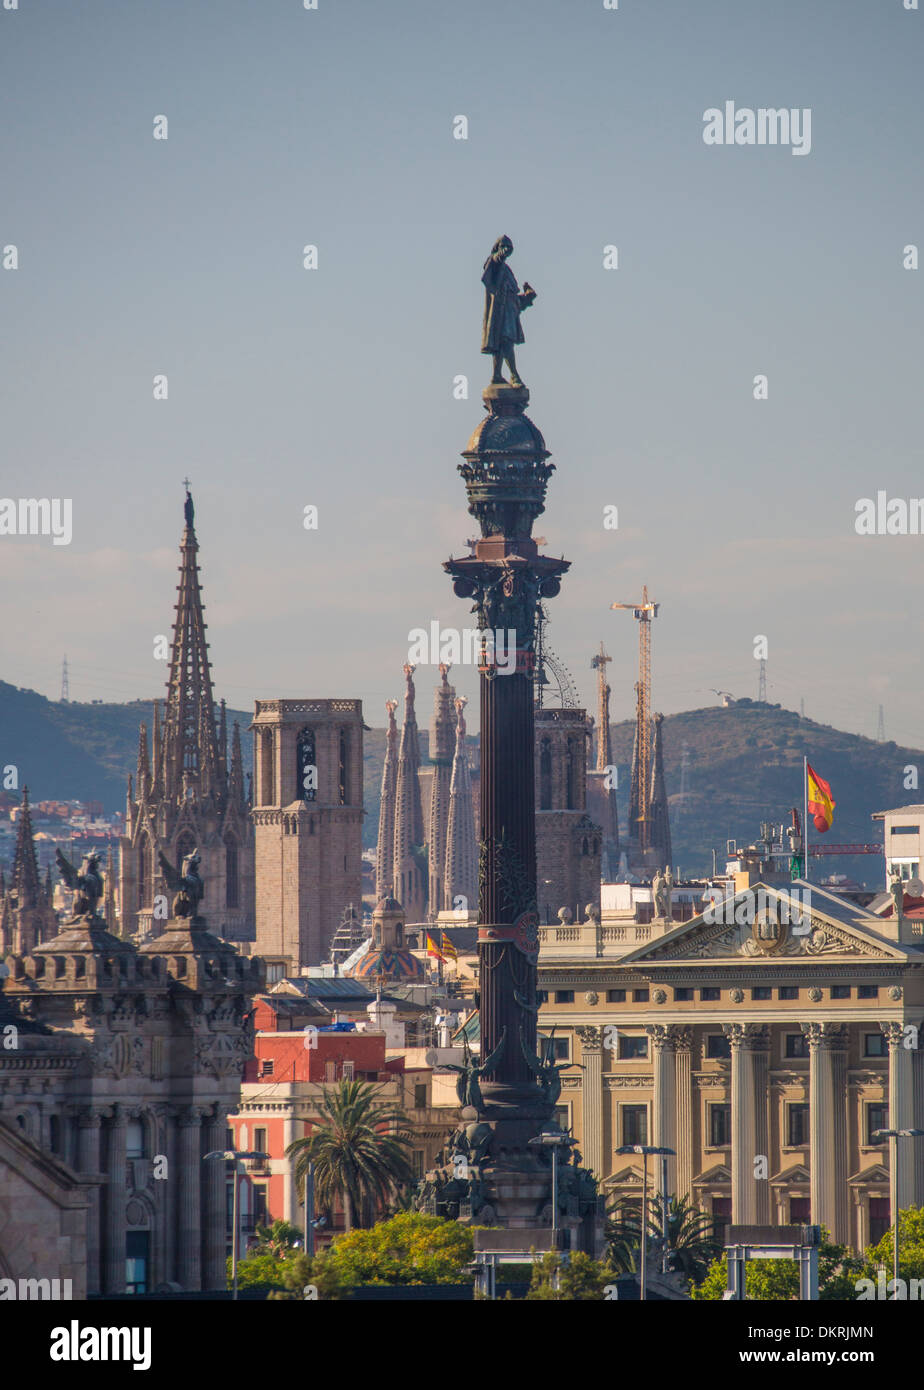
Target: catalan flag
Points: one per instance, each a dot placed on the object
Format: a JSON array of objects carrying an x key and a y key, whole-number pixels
[
  {"x": 449, "y": 949},
  {"x": 820, "y": 801}
]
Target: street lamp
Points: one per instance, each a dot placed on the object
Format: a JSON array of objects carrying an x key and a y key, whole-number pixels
[
  {"x": 893, "y": 1136},
  {"x": 645, "y": 1150},
  {"x": 553, "y": 1139},
  {"x": 233, "y": 1156}
]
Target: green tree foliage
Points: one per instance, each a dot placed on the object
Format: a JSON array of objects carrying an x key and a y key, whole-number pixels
[
  {"x": 580, "y": 1279},
  {"x": 258, "y": 1271},
  {"x": 778, "y": 1280},
  {"x": 691, "y": 1237},
  {"x": 302, "y": 1272},
  {"x": 276, "y": 1240},
  {"x": 359, "y": 1149},
  {"x": 910, "y": 1247},
  {"x": 409, "y": 1248}
]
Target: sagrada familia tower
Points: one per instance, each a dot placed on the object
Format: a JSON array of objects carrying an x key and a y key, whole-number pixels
[
  {"x": 427, "y": 862},
  {"x": 188, "y": 792},
  {"x": 498, "y": 1172}
]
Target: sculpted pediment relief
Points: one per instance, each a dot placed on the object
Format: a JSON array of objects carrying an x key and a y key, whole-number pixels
[{"x": 768, "y": 935}]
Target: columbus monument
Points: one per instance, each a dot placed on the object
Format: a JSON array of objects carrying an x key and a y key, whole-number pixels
[{"x": 492, "y": 1175}]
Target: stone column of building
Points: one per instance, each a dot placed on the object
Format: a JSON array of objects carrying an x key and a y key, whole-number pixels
[
  {"x": 828, "y": 1126},
  {"x": 683, "y": 1086},
  {"x": 213, "y": 1219},
  {"x": 189, "y": 1260},
  {"x": 290, "y": 1133},
  {"x": 750, "y": 1075},
  {"x": 114, "y": 1228},
  {"x": 89, "y": 1123},
  {"x": 901, "y": 1100},
  {"x": 663, "y": 1040},
  {"x": 917, "y": 1077},
  {"x": 592, "y": 1099}
]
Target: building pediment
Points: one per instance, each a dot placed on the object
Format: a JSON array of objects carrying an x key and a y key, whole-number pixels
[{"x": 773, "y": 922}]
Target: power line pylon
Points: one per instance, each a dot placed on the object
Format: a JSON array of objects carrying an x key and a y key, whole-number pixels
[
  {"x": 65, "y": 686},
  {"x": 762, "y": 682},
  {"x": 644, "y": 611}
]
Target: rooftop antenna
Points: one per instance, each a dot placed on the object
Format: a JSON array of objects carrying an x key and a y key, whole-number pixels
[{"x": 65, "y": 686}]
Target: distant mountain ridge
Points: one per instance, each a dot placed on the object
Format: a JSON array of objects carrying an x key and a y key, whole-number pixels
[{"x": 744, "y": 766}]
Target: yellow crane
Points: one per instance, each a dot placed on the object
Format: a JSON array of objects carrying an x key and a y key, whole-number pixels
[{"x": 644, "y": 610}]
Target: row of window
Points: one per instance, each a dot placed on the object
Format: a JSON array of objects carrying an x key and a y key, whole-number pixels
[
  {"x": 632, "y": 1047},
  {"x": 633, "y": 1120},
  {"x": 710, "y": 994}
]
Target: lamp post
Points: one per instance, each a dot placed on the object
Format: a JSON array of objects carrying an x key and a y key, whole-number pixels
[
  {"x": 645, "y": 1150},
  {"x": 893, "y": 1136},
  {"x": 309, "y": 1209},
  {"x": 553, "y": 1139},
  {"x": 233, "y": 1156}
]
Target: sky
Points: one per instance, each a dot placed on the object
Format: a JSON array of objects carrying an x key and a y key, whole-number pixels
[{"x": 334, "y": 387}]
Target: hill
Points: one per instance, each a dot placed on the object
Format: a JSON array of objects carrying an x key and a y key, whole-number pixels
[
  {"x": 744, "y": 765},
  {"x": 75, "y": 751}
]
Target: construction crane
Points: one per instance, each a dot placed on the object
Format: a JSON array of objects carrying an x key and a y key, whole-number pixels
[
  {"x": 644, "y": 611},
  {"x": 598, "y": 663}
]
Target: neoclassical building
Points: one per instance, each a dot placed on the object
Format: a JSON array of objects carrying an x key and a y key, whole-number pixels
[
  {"x": 764, "y": 1049},
  {"x": 118, "y": 1067}
]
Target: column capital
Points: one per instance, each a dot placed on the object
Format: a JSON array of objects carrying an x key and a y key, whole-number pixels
[
  {"x": 747, "y": 1037},
  {"x": 591, "y": 1037},
  {"x": 830, "y": 1036},
  {"x": 894, "y": 1033},
  {"x": 190, "y": 1117},
  {"x": 670, "y": 1037},
  {"x": 89, "y": 1118}
]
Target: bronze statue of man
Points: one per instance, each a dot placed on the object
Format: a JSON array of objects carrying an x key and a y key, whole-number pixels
[{"x": 503, "y": 302}]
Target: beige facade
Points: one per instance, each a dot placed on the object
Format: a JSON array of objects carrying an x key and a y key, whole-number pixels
[{"x": 764, "y": 1051}]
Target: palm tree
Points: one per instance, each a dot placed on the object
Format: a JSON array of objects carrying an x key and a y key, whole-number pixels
[
  {"x": 691, "y": 1236},
  {"x": 359, "y": 1151}
]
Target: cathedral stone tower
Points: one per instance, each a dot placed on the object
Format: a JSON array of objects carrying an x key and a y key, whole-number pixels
[
  {"x": 308, "y": 815},
  {"x": 27, "y": 917},
  {"x": 185, "y": 795},
  {"x": 568, "y": 842}
]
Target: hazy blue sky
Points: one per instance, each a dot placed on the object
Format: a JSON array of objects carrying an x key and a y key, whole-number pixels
[{"x": 334, "y": 386}]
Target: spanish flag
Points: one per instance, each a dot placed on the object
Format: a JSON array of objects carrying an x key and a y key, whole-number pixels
[
  {"x": 449, "y": 949},
  {"x": 820, "y": 801},
  {"x": 432, "y": 948}
]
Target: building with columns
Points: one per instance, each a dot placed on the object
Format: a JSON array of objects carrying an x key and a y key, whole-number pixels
[
  {"x": 124, "y": 1064},
  {"x": 764, "y": 1049}
]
